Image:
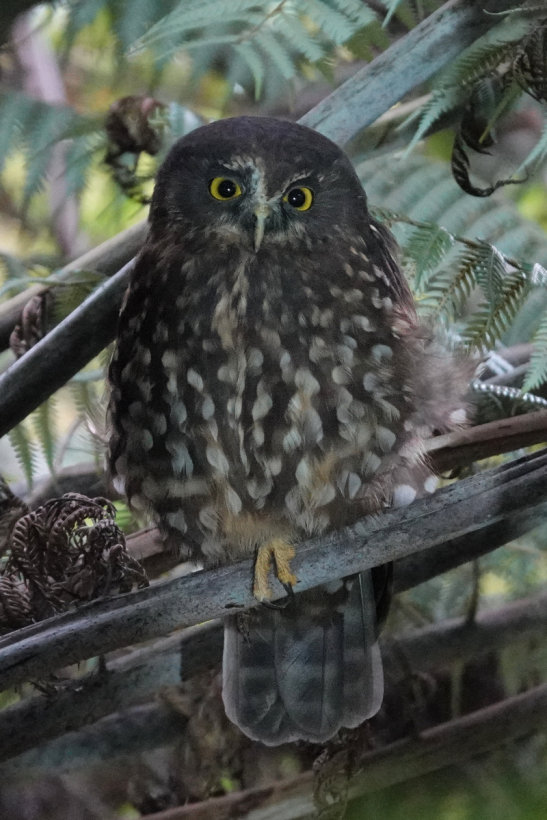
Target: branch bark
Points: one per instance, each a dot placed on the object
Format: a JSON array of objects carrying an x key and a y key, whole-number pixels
[
  {"x": 46, "y": 367},
  {"x": 142, "y": 673},
  {"x": 491, "y": 498},
  {"x": 448, "y": 744},
  {"x": 486, "y": 440}
]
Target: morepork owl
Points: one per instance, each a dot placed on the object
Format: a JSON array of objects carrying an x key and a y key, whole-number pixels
[{"x": 270, "y": 383}]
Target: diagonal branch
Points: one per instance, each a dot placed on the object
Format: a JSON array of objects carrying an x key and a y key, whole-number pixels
[
  {"x": 485, "y": 440},
  {"x": 142, "y": 673},
  {"x": 468, "y": 506},
  {"x": 450, "y": 743},
  {"x": 46, "y": 367}
]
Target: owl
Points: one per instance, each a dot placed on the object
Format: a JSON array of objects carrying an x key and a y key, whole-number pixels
[{"x": 270, "y": 382}]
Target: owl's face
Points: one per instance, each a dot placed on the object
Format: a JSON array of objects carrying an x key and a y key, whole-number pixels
[{"x": 257, "y": 182}]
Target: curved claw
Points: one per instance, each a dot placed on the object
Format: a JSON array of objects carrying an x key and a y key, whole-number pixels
[{"x": 284, "y": 602}]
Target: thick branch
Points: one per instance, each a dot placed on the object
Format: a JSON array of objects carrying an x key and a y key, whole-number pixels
[
  {"x": 132, "y": 730},
  {"x": 455, "y": 511},
  {"x": 142, "y": 673}
]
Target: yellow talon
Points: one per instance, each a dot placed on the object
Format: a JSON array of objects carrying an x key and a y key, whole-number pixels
[{"x": 281, "y": 553}]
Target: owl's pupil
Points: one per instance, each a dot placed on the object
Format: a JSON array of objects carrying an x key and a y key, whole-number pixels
[
  {"x": 296, "y": 197},
  {"x": 227, "y": 189}
]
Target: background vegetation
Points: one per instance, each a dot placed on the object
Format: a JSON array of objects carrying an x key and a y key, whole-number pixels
[{"x": 442, "y": 108}]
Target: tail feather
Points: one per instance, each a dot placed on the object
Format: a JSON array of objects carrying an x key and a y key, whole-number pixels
[{"x": 303, "y": 672}]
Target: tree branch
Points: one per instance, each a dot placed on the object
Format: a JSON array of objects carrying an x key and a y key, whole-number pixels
[
  {"x": 134, "y": 729},
  {"x": 46, "y": 367},
  {"x": 468, "y": 506},
  {"x": 107, "y": 258},
  {"x": 486, "y": 440},
  {"x": 142, "y": 673},
  {"x": 445, "y": 745}
]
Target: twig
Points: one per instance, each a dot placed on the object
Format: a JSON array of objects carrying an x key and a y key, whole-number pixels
[{"x": 468, "y": 506}]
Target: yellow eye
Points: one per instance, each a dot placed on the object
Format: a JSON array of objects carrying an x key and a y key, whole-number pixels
[
  {"x": 224, "y": 188},
  {"x": 300, "y": 198}
]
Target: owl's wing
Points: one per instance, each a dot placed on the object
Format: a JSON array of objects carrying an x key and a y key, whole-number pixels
[{"x": 303, "y": 672}]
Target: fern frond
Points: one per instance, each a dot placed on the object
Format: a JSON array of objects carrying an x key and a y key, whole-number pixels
[
  {"x": 25, "y": 451},
  {"x": 478, "y": 61},
  {"x": 274, "y": 47},
  {"x": 35, "y": 127},
  {"x": 427, "y": 246},
  {"x": 255, "y": 63},
  {"x": 487, "y": 324},
  {"x": 490, "y": 271},
  {"x": 536, "y": 375},
  {"x": 448, "y": 291},
  {"x": 264, "y": 35},
  {"x": 338, "y": 19},
  {"x": 43, "y": 421}
]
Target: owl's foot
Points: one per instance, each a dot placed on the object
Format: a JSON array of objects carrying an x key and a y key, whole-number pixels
[{"x": 280, "y": 553}]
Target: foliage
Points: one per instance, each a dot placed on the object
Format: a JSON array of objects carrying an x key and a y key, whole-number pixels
[
  {"x": 477, "y": 266},
  {"x": 477, "y": 286}
]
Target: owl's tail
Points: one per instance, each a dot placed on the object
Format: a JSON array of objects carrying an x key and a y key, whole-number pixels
[{"x": 303, "y": 672}]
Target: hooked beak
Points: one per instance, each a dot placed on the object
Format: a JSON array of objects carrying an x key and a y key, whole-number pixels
[{"x": 262, "y": 211}]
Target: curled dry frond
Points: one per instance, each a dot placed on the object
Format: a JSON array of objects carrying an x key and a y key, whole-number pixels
[{"x": 68, "y": 550}]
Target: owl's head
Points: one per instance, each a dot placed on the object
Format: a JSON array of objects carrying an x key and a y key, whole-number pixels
[{"x": 257, "y": 181}]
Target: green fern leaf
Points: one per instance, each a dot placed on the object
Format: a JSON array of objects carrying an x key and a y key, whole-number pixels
[
  {"x": 536, "y": 375},
  {"x": 490, "y": 270},
  {"x": 480, "y": 60},
  {"x": 43, "y": 420},
  {"x": 25, "y": 451},
  {"x": 339, "y": 20},
  {"x": 299, "y": 38},
  {"x": 488, "y": 323},
  {"x": 427, "y": 246},
  {"x": 274, "y": 48},
  {"x": 255, "y": 63},
  {"x": 448, "y": 291}
]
